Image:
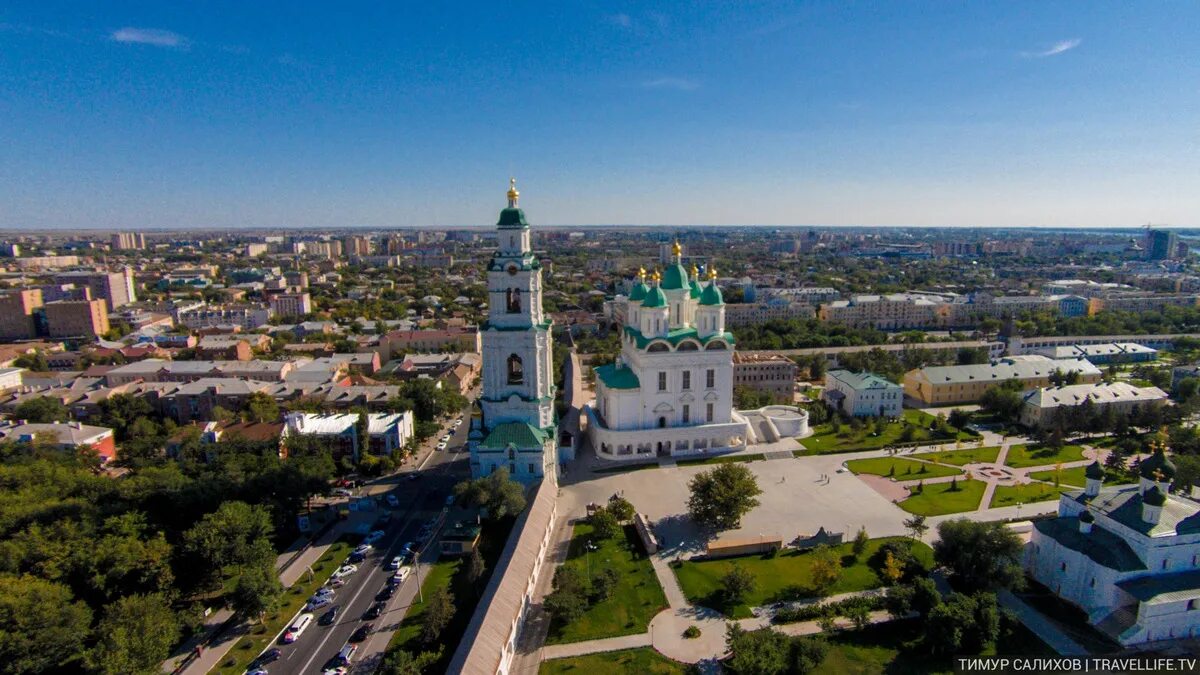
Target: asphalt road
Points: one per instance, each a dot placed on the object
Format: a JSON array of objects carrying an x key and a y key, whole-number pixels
[{"x": 420, "y": 500}]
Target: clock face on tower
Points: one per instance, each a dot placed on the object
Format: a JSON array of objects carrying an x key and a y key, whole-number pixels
[{"x": 512, "y": 270}]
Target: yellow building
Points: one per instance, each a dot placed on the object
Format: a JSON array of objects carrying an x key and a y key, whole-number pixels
[{"x": 951, "y": 385}]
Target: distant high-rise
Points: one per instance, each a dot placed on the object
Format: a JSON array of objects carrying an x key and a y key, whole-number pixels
[
  {"x": 356, "y": 245},
  {"x": 128, "y": 241},
  {"x": 1164, "y": 245},
  {"x": 82, "y": 318},
  {"x": 115, "y": 288}
]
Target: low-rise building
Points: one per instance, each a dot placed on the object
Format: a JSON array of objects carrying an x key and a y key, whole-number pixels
[
  {"x": 65, "y": 435},
  {"x": 947, "y": 385},
  {"x": 1042, "y": 407},
  {"x": 386, "y": 433},
  {"x": 862, "y": 394},
  {"x": 224, "y": 347},
  {"x": 156, "y": 370},
  {"x": 771, "y": 373},
  {"x": 291, "y": 304},
  {"x": 449, "y": 339},
  {"x": 1101, "y": 354}
]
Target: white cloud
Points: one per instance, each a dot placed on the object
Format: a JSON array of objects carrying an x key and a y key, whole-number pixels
[
  {"x": 676, "y": 83},
  {"x": 1056, "y": 49},
  {"x": 149, "y": 36}
]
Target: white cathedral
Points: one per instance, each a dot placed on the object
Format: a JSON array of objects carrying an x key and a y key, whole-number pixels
[
  {"x": 518, "y": 425},
  {"x": 670, "y": 392}
]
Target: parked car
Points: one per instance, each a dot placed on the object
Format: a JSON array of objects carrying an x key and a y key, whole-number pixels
[
  {"x": 386, "y": 593},
  {"x": 445, "y": 439},
  {"x": 375, "y": 610},
  {"x": 401, "y": 574},
  {"x": 345, "y": 571},
  {"x": 362, "y": 632},
  {"x": 356, "y": 558},
  {"x": 329, "y": 617},
  {"x": 392, "y": 500},
  {"x": 297, "y": 628},
  {"x": 342, "y": 492},
  {"x": 442, "y": 445},
  {"x": 269, "y": 656},
  {"x": 346, "y": 655},
  {"x": 364, "y": 548},
  {"x": 374, "y": 536},
  {"x": 318, "y": 603},
  {"x": 337, "y": 583},
  {"x": 396, "y": 562}
]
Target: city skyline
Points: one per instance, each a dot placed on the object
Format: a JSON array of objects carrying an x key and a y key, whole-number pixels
[{"x": 143, "y": 116}]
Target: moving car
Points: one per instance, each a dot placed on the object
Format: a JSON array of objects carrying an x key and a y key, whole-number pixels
[
  {"x": 266, "y": 657},
  {"x": 345, "y": 571},
  {"x": 364, "y": 548},
  {"x": 329, "y": 617},
  {"x": 297, "y": 628},
  {"x": 318, "y": 603},
  {"x": 346, "y": 655}
]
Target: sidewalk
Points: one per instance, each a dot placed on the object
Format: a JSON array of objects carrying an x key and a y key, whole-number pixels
[{"x": 1040, "y": 625}]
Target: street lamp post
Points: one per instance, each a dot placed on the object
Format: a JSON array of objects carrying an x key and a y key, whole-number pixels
[{"x": 417, "y": 572}]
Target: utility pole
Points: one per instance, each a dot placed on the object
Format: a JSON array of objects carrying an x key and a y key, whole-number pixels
[{"x": 417, "y": 572}]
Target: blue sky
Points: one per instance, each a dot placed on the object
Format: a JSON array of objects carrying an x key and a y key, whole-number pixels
[{"x": 158, "y": 114}]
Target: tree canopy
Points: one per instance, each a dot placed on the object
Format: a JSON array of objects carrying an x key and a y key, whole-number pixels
[{"x": 721, "y": 496}]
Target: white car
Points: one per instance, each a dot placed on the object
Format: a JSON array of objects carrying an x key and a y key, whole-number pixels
[
  {"x": 396, "y": 563},
  {"x": 297, "y": 628},
  {"x": 402, "y": 574},
  {"x": 441, "y": 446},
  {"x": 345, "y": 571},
  {"x": 323, "y": 591},
  {"x": 445, "y": 439},
  {"x": 342, "y": 492},
  {"x": 318, "y": 602},
  {"x": 364, "y": 549},
  {"x": 337, "y": 582}
]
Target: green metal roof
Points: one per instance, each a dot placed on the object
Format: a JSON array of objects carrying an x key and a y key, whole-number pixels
[
  {"x": 675, "y": 277},
  {"x": 617, "y": 378},
  {"x": 639, "y": 292},
  {"x": 712, "y": 295},
  {"x": 697, "y": 289},
  {"x": 545, "y": 325},
  {"x": 1157, "y": 462},
  {"x": 1124, "y": 505},
  {"x": 1101, "y": 546},
  {"x": 519, "y": 435},
  {"x": 1163, "y": 588},
  {"x": 1094, "y": 470},
  {"x": 676, "y": 336},
  {"x": 512, "y": 218},
  {"x": 655, "y": 298}
]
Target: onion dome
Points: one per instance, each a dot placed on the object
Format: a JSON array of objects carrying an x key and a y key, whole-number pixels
[
  {"x": 512, "y": 217},
  {"x": 655, "y": 298},
  {"x": 675, "y": 278},
  {"x": 1154, "y": 497},
  {"x": 1157, "y": 467},
  {"x": 1094, "y": 470},
  {"x": 1087, "y": 517},
  {"x": 640, "y": 289},
  {"x": 696, "y": 289}
]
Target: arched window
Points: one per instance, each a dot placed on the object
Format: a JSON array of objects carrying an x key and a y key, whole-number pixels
[
  {"x": 513, "y": 301},
  {"x": 716, "y": 346},
  {"x": 516, "y": 372},
  {"x": 688, "y": 346},
  {"x": 656, "y": 347}
]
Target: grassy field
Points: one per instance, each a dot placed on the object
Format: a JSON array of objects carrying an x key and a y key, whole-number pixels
[
  {"x": 899, "y": 468},
  {"x": 1076, "y": 476},
  {"x": 824, "y": 440},
  {"x": 636, "y": 599},
  {"x": 1021, "y": 456},
  {"x": 250, "y": 646},
  {"x": 1011, "y": 495},
  {"x": 787, "y": 575},
  {"x": 626, "y": 662},
  {"x": 937, "y": 499},
  {"x": 884, "y": 648},
  {"x": 962, "y": 457},
  {"x": 722, "y": 459}
]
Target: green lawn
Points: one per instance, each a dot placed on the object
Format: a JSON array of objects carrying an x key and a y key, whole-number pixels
[
  {"x": 785, "y": 576},
  {"x": 250, "y": 646},
  {"x": 962, "y": 457},
  {"x": 722, "y": 459},
  {"x": 1021, "y": 456},
  {"x": 899, "y": 468},
  {"x": 626, "y": 662},
  {"x": 887, "y": 649},
  {"x": 938, "y": 500},
  {"x": 407, "y": 636},
  {"x": 824, "y": 440},
  {"x": 636, "y": 599},
  {"x": 1076, "y": 476},
  {"x": 1011, "y": 495}
]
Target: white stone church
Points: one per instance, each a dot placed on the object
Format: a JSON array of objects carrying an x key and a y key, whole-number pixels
[
  {"x": 670, "y": 392},
  {"x": 1128, "y": 555}
]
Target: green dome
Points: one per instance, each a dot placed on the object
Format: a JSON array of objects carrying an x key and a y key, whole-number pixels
[
  {"x": 1157, "y": 462},
  {"x": 655, "y": 298},
  {"x": 697, "y": 289},
  {"x": 639, "y": 292},
  {"x": 1154, "y": 497},
  {"x": 675, "y": 278},
  {"x": 1094, "y": 470},
  {"x": 512, "y": 217},
  {"x": 711, "y": 295}
]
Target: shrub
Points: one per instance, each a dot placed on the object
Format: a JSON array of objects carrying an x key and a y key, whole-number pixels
[{"x": 691, "y": 632}]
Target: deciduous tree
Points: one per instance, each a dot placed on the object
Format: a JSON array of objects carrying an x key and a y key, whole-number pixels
[{"x": 720, "y": 497}]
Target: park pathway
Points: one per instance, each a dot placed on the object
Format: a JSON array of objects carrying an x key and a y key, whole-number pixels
[{"x": 1040, "y": 625}]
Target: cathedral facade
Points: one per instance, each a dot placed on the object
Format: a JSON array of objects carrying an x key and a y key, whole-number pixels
[
  {"x": 670, "y": 391},
  {"x": 517, "y": 427}
]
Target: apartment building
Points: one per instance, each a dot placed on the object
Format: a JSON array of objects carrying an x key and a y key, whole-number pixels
[
  {"x": 946, "y": 385},
  {"x": 750, "y": 314},
  {"x": 82, "y": 318},
  {"x": 450, "y": 339},
  {"x": 291, "y": 304},
  {"x": 116, "y": 289},
  {"x": 894, "y": 311},
  {"x": 128, "y": 241},
  {"x": 247, "y": 317},
  {"x": 18, "y": 309}
]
